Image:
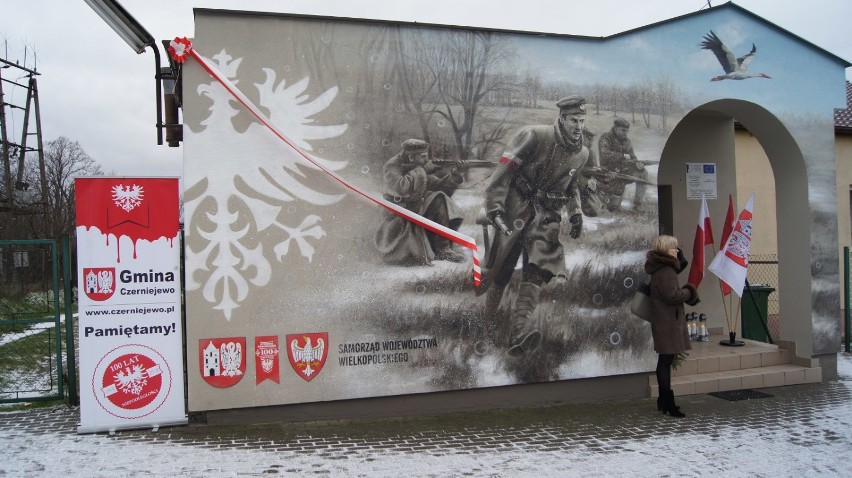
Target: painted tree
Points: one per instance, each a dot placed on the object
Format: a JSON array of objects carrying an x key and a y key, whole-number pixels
[
  {"x": 467, "y": 67},
  {"x": 666, "y": 95},
  {"x": 417, "y": 82}
]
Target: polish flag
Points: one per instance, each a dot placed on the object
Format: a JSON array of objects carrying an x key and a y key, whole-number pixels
[
  {"x": 727, "y": 227},
  {"x": 731, "y": 263},
  {"x": 703, "y": 238}
]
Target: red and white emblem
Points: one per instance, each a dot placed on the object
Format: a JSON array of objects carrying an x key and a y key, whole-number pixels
[
  {"x": 127, "y": 197},
  {"x": 266, "y": 363},
  {"x": 99, "y": 282},
  {"x": 179, "y": 49},
  {"x": 128, "y": 206},
  {"x": 222, "y": 361},
  {"x": 307, "y": 353},
  {"x": 739, "y": 243},
  {"x": 132, "y": 381}
]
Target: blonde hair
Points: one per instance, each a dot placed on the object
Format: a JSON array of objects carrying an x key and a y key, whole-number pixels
[{"x": 663, "y": 244}]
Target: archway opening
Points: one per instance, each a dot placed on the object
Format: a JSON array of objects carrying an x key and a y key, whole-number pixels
[{"x": 707, "y": 135}]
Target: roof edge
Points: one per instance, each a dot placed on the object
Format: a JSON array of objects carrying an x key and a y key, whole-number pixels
[
  {"x": 702, "y": 11},
  {"x": 731, "y": 4}
]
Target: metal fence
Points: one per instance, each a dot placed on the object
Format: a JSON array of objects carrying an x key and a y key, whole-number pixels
[
  {"x": 31, "y": 332},
  {"x": 763, "y": 270},
  {"x": 846, "y": 329}
]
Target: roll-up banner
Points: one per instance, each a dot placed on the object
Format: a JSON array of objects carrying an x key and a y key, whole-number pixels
[{"x": 128, "y": 279}]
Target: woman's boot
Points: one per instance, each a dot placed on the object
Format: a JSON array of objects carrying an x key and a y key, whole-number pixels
[{"x": 669, "y": 405}]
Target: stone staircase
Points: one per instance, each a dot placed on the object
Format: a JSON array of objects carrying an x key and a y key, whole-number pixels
[{"x": 711, "y": 367}]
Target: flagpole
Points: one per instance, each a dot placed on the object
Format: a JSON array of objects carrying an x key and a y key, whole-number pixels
[
  {"x": 731, "y": 265},
  {"x": 722, "y": 291},
  {"x": 736, "y": 323}
]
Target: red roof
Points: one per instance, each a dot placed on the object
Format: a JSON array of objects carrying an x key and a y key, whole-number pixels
[{"x": 843, "y": 118}]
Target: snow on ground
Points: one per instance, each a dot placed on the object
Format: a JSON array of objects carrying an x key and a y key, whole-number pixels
[{"x": 718, "y": 440}]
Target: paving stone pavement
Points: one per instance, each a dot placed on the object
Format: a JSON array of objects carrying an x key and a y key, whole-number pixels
[{"x": 800, "y": 430}]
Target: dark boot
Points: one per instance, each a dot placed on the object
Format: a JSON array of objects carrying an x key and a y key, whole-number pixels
[
  {"x": 660, "y": 403},
  {"x": 525, "y": 336},
  {"x": 448, "y": 254},
  {"x": 492, "y": 320},
  {"x": 641, "y": 189},
  {"x": 492, "y": 300},
  {"x": 669, "y": 405}
]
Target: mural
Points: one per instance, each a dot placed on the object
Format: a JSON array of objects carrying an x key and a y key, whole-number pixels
[{"x": 543, "y": 149}]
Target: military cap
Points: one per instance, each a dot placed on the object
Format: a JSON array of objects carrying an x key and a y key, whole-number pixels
[
  {"x": 411, "y": 146},
  {"x": 621, "y": 122},
  {"x": 574, "y": 104}
]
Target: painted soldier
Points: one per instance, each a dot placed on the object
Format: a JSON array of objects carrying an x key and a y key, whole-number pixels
[
  {"x": 617, "y": 156},
  {"x": 537, "y": 177},
  {"x": 416, "y": 183}
]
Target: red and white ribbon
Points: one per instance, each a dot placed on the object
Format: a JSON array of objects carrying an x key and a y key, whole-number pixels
[{"x": 183, "y": 47}]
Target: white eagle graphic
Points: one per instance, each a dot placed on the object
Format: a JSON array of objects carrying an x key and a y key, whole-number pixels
[
  {"x": 232, "y": 358},
  {"x": 307, "y": 354},
  {"x": 127, "y": 197},
  {"x": 249, "y": 178}
]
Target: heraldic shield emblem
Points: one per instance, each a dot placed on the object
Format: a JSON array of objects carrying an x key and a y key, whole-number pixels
[
  {"x": 222, "y": 360},
  {"x": 99, "y": 282},
  {"x": 307, "y": 353}
]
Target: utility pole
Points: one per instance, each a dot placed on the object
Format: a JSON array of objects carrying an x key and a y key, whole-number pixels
[{"x": 14, "y": 187}]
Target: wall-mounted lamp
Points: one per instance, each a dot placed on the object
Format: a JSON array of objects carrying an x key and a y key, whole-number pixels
[
  {"x": 123, "y": 23},
  {"x": 132, "y": 32}
]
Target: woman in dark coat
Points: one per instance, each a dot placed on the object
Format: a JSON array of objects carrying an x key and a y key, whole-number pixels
[{"x": 668, "y": 321}]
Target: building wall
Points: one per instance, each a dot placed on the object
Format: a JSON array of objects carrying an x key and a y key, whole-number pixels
[
  {"x": 843, "y": 150},
  {"x": 279, "y": 251},
  {"x": 754, "y": 174}
]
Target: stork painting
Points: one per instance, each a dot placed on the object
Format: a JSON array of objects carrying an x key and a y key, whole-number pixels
[{"x": 735, "y": 68}]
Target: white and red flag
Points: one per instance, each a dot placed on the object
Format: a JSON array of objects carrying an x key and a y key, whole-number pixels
[
  {"x": 731, "y": 263},
  {"x": 727, "y": 227},
  {"x": 703, "y": 238}
]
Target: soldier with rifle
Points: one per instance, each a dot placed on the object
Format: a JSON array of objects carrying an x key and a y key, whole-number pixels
[
  {"x": 617, "y": 157},
  {"x": 537, "y": 177},
  {"x": 416, "y": 183}
]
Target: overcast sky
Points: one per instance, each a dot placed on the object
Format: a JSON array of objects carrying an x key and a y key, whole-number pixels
[{"x": 94, "y": 89}]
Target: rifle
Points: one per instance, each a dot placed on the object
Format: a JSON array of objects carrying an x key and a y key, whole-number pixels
[
  {"x": 464, "y": 164},
  {"x": 603, "y": 174}
]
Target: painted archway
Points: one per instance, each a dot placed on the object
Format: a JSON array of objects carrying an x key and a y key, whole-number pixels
[{"x": 706, "y": 135}]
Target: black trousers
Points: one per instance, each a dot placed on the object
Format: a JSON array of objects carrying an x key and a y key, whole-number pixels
[{"x": 664, "y": 372}]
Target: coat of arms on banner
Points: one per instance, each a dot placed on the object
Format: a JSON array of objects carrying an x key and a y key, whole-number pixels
[
  {"x": 740, "y": 241},
  {"x": 222, "y": 361},
  {"x": 307, "y": 353},
  {"x": 266, "y": 358},
  {"x": 131, "y": 381},
  {"x": 127, "y": 205},
  {"x": 99, "y": 283}
]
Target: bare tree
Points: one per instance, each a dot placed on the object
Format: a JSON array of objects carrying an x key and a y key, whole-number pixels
[
  {"x": 631, "y": 100},
  {"x": 666, "y": 92},
  {"x": 64, "y": 160},
  {"x": 616, "y": 96},
  {"x": 467, "y": 67},
  {"x": 532, "y": 88},
  {"x": 646, "y": 99},
  {"x": 416, "y": 82},
  {"x": 599, "y": 94}
]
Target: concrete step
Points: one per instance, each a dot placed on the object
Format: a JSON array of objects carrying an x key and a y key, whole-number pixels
[{"x": 712, "y": 367}]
